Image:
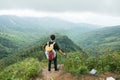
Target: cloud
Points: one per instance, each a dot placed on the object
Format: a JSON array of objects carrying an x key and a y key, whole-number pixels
[
  {"x": 75, "y": 17},
  {"x": 103, "y": 12},
  {"x": 110, "y": 7}
]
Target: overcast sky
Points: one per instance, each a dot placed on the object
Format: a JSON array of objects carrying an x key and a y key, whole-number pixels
[{"x": 101, "y": 12}]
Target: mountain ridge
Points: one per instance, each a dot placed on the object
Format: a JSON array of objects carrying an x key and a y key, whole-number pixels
[
  {"x": 28, "y": 31},
  {"x": 37, "y": 51},
  {"x": 101, "y": 39}
]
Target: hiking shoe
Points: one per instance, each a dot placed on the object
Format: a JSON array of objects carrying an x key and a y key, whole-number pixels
[{"x": 57, "y": 70}]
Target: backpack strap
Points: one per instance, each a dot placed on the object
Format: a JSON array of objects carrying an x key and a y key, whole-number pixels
[
  {"x": 48, "y": 43},
  {"x": 53, "y": 43}
]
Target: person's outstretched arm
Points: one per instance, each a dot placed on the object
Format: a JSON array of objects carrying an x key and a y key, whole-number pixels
[
  {"x": 62, "y": 52},
  {"x": 58, "y": 49}
]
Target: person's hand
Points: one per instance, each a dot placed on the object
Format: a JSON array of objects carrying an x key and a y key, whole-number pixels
[{"x": 64, "y": 54}]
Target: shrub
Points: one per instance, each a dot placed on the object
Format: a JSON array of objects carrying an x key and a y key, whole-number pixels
[
  {"x": 73, "y": 62},
  {"x": 25, "y": 70},
  {"x": 83, "y": 70},
  {"x": 78, "y": 64}
]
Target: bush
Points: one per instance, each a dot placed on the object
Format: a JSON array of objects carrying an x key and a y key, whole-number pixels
[
  {"x": 91, "y": 62},
  {"x": 76, "y": 63},
  {"x": 73, "y": 63},
  {"x": 83, "y": 70},
  {"x": 113, "y": 61},
  {"x": 25, "y": 70}
]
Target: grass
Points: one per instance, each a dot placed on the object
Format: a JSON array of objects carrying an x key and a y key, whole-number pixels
[
  {"x": 78, "y": 64},
  {"x": 24, "y": 70}
]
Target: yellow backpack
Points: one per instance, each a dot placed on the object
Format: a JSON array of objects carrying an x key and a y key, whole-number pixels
[
  {"x": 49, "y": 51},
  {"x": 49, "y": 47}
]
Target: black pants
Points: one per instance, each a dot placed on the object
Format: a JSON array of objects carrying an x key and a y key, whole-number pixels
[{"x": 55, "y": 64}]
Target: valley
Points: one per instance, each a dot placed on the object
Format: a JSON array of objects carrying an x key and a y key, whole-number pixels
[{"x": 87, "y": 46}]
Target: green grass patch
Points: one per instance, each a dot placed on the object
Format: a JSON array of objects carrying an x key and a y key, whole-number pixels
[
  {"x": 24, "y": 70},
  {"x": 77, "y": 63}
]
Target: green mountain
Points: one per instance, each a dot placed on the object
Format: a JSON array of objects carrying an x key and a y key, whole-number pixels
[
  {"x": 36, "y": 51},
  {"x": 23, "y": 32},
  {"x": 65, "y": 43},
  {"x": 101, "y": 40},
  {"x": 7, "y": 46},
  {"x": 41, "y": 25}
]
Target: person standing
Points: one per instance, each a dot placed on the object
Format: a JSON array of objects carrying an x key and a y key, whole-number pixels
[{"x": 55, "y": 48}]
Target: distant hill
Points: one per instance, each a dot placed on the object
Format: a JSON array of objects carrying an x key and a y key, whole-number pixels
[
  {"x": 42, "y": 25},
  {"x": 27, "y": 31},
  {"x": 105, "y": 39}
]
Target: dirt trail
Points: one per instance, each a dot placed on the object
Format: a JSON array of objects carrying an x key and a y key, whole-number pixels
[
  {"x": 55, "y": 75},
  {"x": 61, "y": 75}
]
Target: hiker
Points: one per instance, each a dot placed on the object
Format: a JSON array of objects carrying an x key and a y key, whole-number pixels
[{"x": 50, "y": 49}]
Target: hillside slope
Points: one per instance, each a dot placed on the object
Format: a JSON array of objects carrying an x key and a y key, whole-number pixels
[
  {"x": 37, "y": 51},
  {"x": 7, "y": 46},
  {"x": 27, "y": 31},
  {"x": 41, "y": 26},
  {"x": 102, "y": 39}
]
